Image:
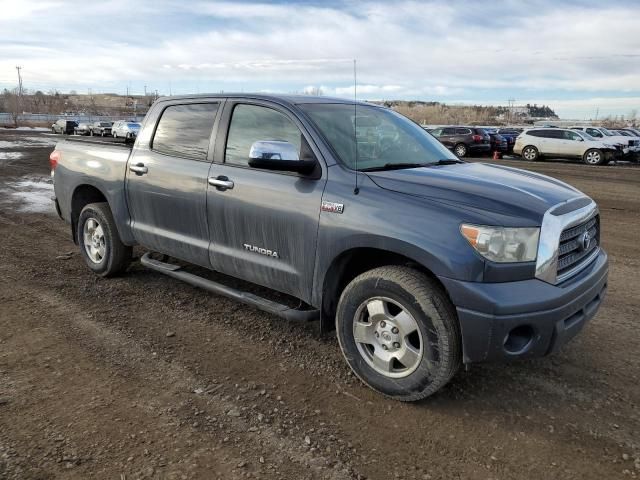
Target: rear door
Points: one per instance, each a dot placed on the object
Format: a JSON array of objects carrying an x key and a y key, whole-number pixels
[
  {"x": 551, "y": 142},
  {"x": 167, "y": 181},
  {"x": 264, "y": 226}
]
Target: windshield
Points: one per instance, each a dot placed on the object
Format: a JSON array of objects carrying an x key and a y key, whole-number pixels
[
  {"x": 133, "y": 125},
  {"x": 606, "y": 132},
  {"x": 105, "y": 124},
  {"x": 382, "y": 137}
]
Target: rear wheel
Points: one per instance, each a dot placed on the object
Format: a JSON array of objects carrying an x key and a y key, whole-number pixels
[
  {"x": 593, "y": 157},
  {"x": 100, "y": 244},
  {"x": 530, "y": 153},
  {"x": 399, "y": 332},
  {"x": 460, "y": 150}
]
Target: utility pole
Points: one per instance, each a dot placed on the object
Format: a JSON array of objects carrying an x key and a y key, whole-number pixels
[
  {"x": 145, "y": 90},
  {"x": 19, "y": 109},
  {"x": 511, "y": 104}
]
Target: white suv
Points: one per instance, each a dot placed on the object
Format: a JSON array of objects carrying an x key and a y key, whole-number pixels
[
  {"x": 124, "y": 129},
  {"x": 601, "y": 133},
  {"x": 561, "y": 143}
]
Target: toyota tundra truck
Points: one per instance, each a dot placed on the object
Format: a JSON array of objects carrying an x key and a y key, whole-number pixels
[{"x": 350, "y": 214}]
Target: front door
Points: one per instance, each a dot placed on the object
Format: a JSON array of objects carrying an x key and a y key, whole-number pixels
[
  {"x": 263, "y": 224},
  {"x": 167, "y": 183}
]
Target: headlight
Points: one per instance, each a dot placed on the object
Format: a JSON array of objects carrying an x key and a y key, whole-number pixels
[{"x": 501, "y": 244}]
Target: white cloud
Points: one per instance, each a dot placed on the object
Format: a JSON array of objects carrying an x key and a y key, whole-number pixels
[{"x": 404, "y": 49}]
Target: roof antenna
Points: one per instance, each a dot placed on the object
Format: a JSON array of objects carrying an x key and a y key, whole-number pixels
[{"x": 356, "y": 190}]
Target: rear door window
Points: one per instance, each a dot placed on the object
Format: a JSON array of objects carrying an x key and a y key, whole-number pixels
[
  {"x": 462, "y": 131},
  {"x": 448, "y": 131},
  {"x": 185, "y": 130}
]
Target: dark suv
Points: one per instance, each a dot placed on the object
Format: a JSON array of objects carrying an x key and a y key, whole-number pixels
[
  {"x": 64, "y": 126},
  {"x": 463, "y": 140}
]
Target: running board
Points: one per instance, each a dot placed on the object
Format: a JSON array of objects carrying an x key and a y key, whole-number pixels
[{"x": 269, "y": 306}]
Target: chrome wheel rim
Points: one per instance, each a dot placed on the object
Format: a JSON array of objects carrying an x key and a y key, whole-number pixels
[
  {"x": 94, "y": 240},
  {"x": 593, "y": 157},
  {"x": 387, "y": 337},
  {"x": 461, "y": 151},
  {"x": 529, "y": 154}
]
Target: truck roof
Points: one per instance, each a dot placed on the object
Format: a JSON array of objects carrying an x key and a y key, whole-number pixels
[{"x": 280, "y": 98}]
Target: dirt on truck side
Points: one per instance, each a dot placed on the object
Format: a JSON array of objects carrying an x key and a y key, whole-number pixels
[{"x": 142, "y": 376}]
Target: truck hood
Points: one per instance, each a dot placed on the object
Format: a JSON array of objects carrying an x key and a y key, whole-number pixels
[{"x": 481, "y": 187}]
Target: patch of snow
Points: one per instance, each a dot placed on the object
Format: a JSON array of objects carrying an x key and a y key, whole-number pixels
[
  {"x": 26, "y": 142},
  {"x": 32, "y": 129},
  {"x": 10, "y": 155},
  {"x": 30, "y": 196}
]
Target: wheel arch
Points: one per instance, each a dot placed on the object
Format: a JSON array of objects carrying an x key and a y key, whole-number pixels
[
  {"x": 82, "y": 196},
  {"x": 352, "y": 262}
]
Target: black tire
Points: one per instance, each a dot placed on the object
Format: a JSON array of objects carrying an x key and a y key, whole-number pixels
[
  {"x": 461, "y": 150},
  {"x": 593, "y": 156},
  {"x": 424, "y": 300},
  {"x": 530, "y": 153},
  {"x": 117, "y": 255}
]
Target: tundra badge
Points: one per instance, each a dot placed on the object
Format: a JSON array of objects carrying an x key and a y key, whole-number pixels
[
  {"x": 260, "y": 250},
  {"x": 332, "y": 207}
]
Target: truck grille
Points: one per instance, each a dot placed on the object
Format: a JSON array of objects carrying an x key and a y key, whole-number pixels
[{"x": 572, "y": 255}]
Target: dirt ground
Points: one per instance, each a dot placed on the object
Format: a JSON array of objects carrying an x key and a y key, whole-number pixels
[{"x": 142, "y": 376}]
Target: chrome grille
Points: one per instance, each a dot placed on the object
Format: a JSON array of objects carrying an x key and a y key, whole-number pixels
[{"x": 572, "y": 255}]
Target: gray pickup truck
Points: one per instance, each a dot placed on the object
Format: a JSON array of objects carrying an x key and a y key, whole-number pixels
[{"x": 421, "y": 262}]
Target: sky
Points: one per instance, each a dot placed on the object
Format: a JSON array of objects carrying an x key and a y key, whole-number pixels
[{"x": 581, "y": 57}]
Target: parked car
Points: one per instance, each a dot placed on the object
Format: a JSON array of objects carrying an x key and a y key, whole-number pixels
[
  {"x": 101, "y": 129},
  {"x": 125, "y": 129},
  {"x": 633, "y": 131},
  {"x": 64, "y": 126},
  {"x": 498, "y": 143},
  {"x": 510, "y": 134},
  {"x": 605, "y": 135},
  {"x": 554, "y": 142},
  {"x": 464, "y": 140},
  {"x": 82, "y": 129},
  {"x": 421, "y": 261}
]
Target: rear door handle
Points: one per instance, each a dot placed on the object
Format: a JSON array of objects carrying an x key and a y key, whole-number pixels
[
  {"x": 221, "y": 182},
  {"x": 138, "y": 169}
]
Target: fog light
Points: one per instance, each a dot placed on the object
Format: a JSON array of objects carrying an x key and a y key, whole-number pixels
[{"x": 519, "y": 339}]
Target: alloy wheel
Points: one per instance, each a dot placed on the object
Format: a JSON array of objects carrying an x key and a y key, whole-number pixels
[{"x": 387, "y": 337}]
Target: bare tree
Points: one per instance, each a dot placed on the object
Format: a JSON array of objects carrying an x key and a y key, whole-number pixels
[{"x": 12, "y": 104}]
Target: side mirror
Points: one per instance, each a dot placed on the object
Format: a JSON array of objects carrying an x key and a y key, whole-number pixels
[{"x": 278, "y": 155}]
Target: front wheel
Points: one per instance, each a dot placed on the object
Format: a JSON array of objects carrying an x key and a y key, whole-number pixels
[
  {"x": 398, "y": 332},
  {"x": 100, "y": 244},
  {"x": 593, "y": 157}
]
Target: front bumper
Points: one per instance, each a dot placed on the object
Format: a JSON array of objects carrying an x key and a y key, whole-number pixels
[{"x": 528, "y": 318}]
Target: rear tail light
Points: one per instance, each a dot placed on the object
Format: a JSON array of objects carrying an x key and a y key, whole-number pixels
[
  {"x": 477, "y": 138},
  {"x": 54, "y": 158}
]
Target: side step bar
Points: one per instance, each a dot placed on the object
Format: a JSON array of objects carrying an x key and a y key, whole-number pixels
[{"x": 269, "y": 306}]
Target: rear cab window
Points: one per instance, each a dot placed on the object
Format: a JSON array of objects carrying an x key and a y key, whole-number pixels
[{"x": 185, "y": 130}]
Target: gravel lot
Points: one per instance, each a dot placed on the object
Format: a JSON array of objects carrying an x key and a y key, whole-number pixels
[{"x": 145, "y": 377}]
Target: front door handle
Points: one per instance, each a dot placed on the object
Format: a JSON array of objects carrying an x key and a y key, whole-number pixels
[
  {"x": 138, "y": 169},
  {"x": 221, "y": 182}
]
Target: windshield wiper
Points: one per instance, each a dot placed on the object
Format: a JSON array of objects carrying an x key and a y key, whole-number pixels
[
  {"x": 400, "y": 166},
  {"x": 447, "y": 161},
  {"x": 394, "y": 166}
]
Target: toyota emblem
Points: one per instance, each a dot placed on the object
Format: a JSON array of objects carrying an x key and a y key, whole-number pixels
[{"x": 585, "y": 241}]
